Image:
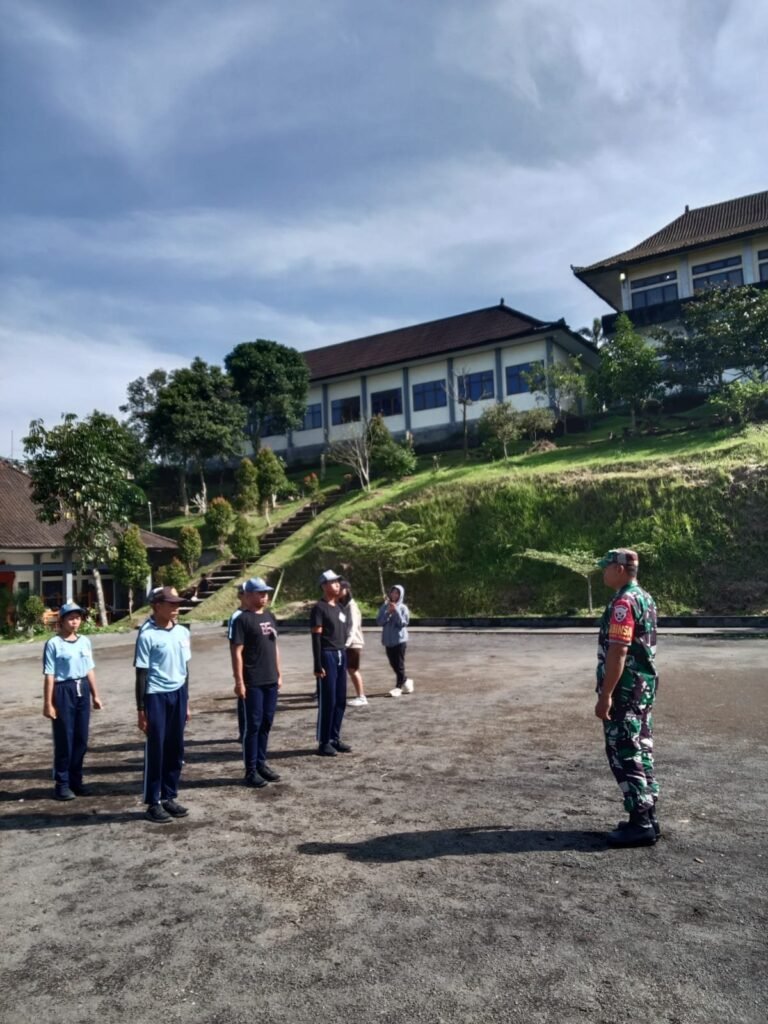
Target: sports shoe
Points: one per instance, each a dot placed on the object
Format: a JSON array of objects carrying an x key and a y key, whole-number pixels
[
  {"x": 157, "y": 814},
  {"x": 63, "y": 793},
  {"x": 358, "y": 702},
  {"x": 174, "y": 809},
  {"x": 326, "y": 750},
  {"x": 266, "y": 773},
  {"x": 408, "y": 686},
  {"x": 396, "y": 692},
  {"x": 343, "y": 748},
  {"x": 254, "y": 780}
]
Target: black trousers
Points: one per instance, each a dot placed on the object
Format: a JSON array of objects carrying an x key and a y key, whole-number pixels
[{"x": 396, "y": 656}]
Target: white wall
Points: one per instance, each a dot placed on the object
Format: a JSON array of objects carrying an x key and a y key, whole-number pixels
[{"x": 422, "y": 374}]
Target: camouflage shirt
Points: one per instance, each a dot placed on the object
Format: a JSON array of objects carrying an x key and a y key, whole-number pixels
[{"x": 630, "y": 620}]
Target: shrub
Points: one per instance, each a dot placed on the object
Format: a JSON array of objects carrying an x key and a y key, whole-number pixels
[
  {"x": 29, "y": 612},
  {"x": 244, "y": 540},
  {"x": 741, "y": 400},
  {"x": 190, "y": 547},
  {"x": 247, "y": 487},
  {"x": 220, "y": 520},
  {"x": 537, "y": 421},
  {"x": 172, "y": 575}
]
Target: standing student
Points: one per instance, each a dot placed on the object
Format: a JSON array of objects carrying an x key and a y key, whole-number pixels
[
  {"x": 328, "y": 623},
  {"x": 162, "y": 701},
  {"x": 355, "y": 643},
  {"x": 256, "y": 663},
  {"x": 627, "y": 682},
  {"x": 69, "y": 690},
  {"x": 230, "y": 631},
  {"x": 394, "y": 617}
]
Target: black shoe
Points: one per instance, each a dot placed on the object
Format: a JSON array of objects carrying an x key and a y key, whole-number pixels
[
  {"x": 651, "y": 817},
  {"x": 638, "y": 831},
  {"x": 343, "y": 748},
  {"x": 82, "y": 790},
  {"x": 63, "y": 793},
  {"x": 174, "y": 809},
  {"x": 157, "y": 814},
  {"x": 266, "y": 773},
  {"x": 326, "y": 750},
  {"x": 255, "y": 781}
]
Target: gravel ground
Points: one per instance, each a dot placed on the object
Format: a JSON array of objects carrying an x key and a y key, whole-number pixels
[{"x": 453, "y": 868}]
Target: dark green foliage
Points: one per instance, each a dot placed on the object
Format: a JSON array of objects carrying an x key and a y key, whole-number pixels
[
  {"x": 172, "y": 575},
  {"x": 742, "y": 400},
  {"x": 499, "y": 426},
  {"x": 247, "y": 487},
  {"x": 388, "y": 458},
  {"x": 190, "y": 547},
  {"x": 131, "y": 564},
  {"x": 560, "y": 383},
  {"x": 29, "y": 613},
  {"x": 535, "y": 422},
  {"x": 271, "y": 474},
  {"x": 244, "y": 540},
  {"x": 629, "y": 372},
  {"x": 219, "y": 521},
  {"x": 271, "y": 381}
]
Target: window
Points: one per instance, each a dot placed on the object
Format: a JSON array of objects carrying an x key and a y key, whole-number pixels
[
  {"x": 429, "y": 395},
  {"x": 269, "y": 427},
  {"x": 650, "y": 291},
  {"x": 345, "y": 410},
  {"x": 313, "y": 417},
  {"x": 474, "y": 386},
  {"x": 762, "y": 264},
  {"x": 717, "y": 273},
  {"x": 516, "y": 384},
  {"x": 387, "y": 403}
]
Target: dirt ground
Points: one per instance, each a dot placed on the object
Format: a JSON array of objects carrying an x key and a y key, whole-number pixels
[{"x": 453, "y": 868}]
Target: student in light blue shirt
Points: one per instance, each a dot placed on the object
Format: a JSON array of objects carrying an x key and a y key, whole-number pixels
[
  {"x": 69, "y": 690},
  {"x": 162, "y": 701}
]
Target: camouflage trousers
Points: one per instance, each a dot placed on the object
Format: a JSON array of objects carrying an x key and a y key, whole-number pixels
[{"x": 629, "y": 746}]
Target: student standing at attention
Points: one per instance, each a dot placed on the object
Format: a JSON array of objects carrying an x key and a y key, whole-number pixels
[
  {"x": 328, "y": 623},
  {"x": 69, "y": 690},
  {"x": 162, "y": 701}
]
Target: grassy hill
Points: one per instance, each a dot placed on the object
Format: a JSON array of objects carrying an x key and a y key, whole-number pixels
[{"x": 693, "y": 495}]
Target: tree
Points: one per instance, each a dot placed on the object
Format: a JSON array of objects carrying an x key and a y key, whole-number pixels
[
  {"x": 172, "y": 575},
  {"x": 354, "y": 451},
  {"x": 190, "y": 547},
  {"x": 131, "y": 564},
  {"x": 397, "y": 547},
  {"x": 594, "y": 334},
  {"x": 247, "y": 485},
  {"x": 457, "y": 387},
  {"x": 741, "y": 399},
  {"x": 537, "y": 421},
  {"x": 244, "y": 540},
  {"x": 629, "y": 369},
  {"x": 575, "y": 560},
  {"x": 143, "y": 394},
  {"x": 196, "y": 417},
  {"x": 272, "y": 381},
  {"x": 271, "y": 476},
  {"x": 388, "y": 458},
  {"x": 80, "y": 474},
  {"x": 499, "y": 426},
  {"x": 723, "y": 329},
  {"x": 220, "y": 520},
  {"x": 562, "y": 383}
]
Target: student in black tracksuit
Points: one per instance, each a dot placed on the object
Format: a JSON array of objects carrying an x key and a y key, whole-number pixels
[
  {"x": 256, "y": 664},
  {"x": 328, "y": 622}
]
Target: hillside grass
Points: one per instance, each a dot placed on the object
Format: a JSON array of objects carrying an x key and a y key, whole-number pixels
[{"x": 695, "y": 496}]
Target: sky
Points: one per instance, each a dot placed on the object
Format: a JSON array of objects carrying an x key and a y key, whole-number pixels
[{"x": 180, "y": 176}]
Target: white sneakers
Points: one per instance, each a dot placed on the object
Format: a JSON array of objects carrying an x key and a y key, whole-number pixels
[
  {"x": 358, "y": 702},
  {"x": 407, "y": 688}
]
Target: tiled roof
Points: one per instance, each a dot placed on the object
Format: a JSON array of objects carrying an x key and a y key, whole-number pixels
[
  {"x": 438, "y": 337},
  {"x": 21, "y": 530},
  {"x": 708, "y": 224}
]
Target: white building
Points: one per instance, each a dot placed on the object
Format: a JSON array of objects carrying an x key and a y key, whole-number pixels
[
  {"x": 412, "y": 376},
  {"x": 726, "y": 243}
]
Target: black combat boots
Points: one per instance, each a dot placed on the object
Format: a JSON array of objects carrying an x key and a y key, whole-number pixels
[{"x": 640, "y": 830}]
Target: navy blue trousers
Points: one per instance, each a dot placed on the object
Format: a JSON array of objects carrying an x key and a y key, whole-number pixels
[
  {"x": 240, "y": 718},
  {"x": 72, "y": 700},
  {"x": 164, "y": 749},
  {"x": 331, "y": 696},
  {"x": 260, "y": 705}
]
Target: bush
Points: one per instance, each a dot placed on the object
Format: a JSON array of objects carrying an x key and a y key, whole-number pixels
[
  {"x": 244, "y": 540},
  {"x": 537, "y": 421},
  {"x": 190, "y": 547},
  {"x": 247, "y": 487},
  {"x": 741, "y": 400},
  {"x": 388, "y": 458},
  {"x": 172, "y": 575},
  {"x": 219, "y": 521},
  {"x": 29, "y": 612}
]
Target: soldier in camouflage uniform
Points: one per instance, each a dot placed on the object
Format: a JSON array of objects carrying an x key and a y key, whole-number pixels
[{"x": 626, "y": 686}]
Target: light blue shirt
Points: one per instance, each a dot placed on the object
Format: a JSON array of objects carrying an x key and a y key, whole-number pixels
[
  {"x": 67, "y": 659},
  {"x": 164, "y": 653}
]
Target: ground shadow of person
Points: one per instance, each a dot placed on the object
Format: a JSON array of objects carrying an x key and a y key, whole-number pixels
[{"x": 458, "y": 842}]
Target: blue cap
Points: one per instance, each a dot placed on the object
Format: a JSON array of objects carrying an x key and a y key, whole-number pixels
[
  {"x": 256, "y": 585},
  {"x": 69, "y": 607}
]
